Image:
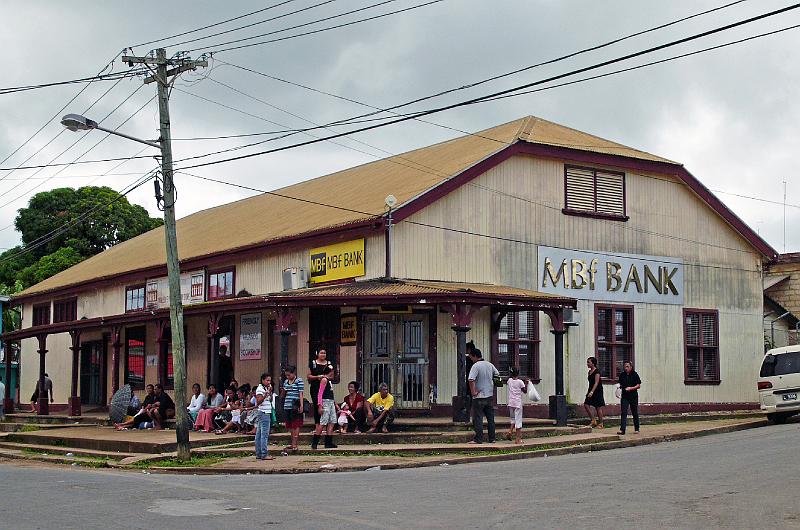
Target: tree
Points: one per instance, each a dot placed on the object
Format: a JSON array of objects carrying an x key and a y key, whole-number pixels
[{"x": 112, "y": 220}]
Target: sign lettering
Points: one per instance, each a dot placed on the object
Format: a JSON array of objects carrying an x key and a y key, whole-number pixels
[
  {"x": 337, "y": 262},
  {"x": 611, "y": 277}
]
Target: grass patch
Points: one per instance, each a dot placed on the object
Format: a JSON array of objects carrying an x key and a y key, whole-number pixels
[
  {"x": 195, "y": 461},
  {"x": 29, "y": 428}
]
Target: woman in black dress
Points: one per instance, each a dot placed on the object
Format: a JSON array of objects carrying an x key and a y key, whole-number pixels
[{"x": 594, "y": 397}]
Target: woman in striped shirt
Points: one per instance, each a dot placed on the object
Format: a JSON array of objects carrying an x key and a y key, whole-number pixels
[{"x": 292, "y": 393}]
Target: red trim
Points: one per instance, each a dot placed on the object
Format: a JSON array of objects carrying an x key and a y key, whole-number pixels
[
  {"x": 594, "y": 215},
  {"x": 586, "y": 157},
  {"x": 214, "y": 272},
  {"x": 314, "y": 238},
  {"x": 135, "y": 386}
]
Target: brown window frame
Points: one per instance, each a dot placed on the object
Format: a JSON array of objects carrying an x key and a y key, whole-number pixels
[
  {"x": 136, "y": 385},
  {"x": 129, "y": 288},
  {"x": 534, "y": 362},
  {"x": 164, "y": 351},
  {"x": 38, "y": 311},
  {"x": 700, "y": 380},
  {"x": 214, "y": 272},
  {"x": 613, "y": 343},
  {"x": 65, "y": 310},
  {"x": 567, "y": 210}
]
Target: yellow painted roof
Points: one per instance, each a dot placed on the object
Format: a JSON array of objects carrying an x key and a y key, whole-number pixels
[{"x": 361, "y": 190}]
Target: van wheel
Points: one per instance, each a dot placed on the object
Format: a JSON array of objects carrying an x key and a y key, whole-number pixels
[{"x": 778, "y": 418}]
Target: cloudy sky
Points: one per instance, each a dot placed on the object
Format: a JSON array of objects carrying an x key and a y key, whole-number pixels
[{"x": 729, "y": 115}]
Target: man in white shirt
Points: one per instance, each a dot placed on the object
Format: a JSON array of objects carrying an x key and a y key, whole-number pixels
[{"x": 481, "y": 387}]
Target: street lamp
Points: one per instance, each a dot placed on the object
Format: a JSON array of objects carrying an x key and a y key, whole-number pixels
[{"x": 76, "y": 122}]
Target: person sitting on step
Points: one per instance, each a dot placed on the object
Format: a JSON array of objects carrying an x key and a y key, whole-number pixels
[
  {"x": 163, "y": 408},
  {"x": 143, "y": 415},
  {"x": 381, "y": 411}
]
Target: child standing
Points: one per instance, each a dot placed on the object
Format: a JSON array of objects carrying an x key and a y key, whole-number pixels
[{"x": 516, "y": 387}]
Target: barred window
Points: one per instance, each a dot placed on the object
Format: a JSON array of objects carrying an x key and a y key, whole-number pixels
[
  {"x": 594, "y": 192},
  {"x": 701, "y": 341},
  {"x": 41, "y": 314},
  {"x": 135, "y": 357},
  {"x": 613, "y": 338},
  {"x": 65, "y": 310},
  {"x": 134, "y": 298},
  {"x": 517, "y": 344}
]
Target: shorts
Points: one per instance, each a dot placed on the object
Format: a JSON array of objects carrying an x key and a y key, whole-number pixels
[
  {"x": 328, "y": 412},
  {"x": 294, "y": 418},
  {"x": 515, "y": 414}
]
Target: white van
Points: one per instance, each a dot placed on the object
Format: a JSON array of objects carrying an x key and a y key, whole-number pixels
[{"x": 779, "y": 383}]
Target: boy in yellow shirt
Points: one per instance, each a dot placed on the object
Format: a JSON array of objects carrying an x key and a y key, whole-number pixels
[{"x": 381, "y": 412}]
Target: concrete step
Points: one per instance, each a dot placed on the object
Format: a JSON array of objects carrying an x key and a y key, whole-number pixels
[
  {"x": 415, "y": 424},
  {"x": 16, "y": 454},
  {"x": 60, "y": 419},
  {"x": 64, "y": 451},
  {"x": 428, "y": 448},
  {"x": 418, "y": 437},
  {"x": 111, "y": 440},
  {"x": 31, "y": 427}
]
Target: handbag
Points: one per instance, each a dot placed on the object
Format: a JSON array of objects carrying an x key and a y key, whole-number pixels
[
  {"x": 498, "y": 381},
  {"x": 618, "y": 391},
  {"x": 533, "y": 394}
]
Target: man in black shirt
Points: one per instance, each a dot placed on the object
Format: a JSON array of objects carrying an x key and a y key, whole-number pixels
[
  {"x": 163, "y": 407},
  {"x": 629, "y": 383}
]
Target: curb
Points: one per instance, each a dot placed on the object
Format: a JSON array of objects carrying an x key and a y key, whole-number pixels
[{"x": 522, "y": 455}]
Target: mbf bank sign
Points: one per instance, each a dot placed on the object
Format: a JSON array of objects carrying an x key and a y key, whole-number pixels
[{"x": 611, "y": 277}]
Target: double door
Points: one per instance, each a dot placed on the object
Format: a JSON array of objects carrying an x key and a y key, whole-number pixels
[
  {"x": 396, "y": 353},
  {"x": 92, "y": 373}
]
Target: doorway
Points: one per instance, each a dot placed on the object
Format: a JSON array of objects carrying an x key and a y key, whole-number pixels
[
  {"x": 92, "y": 373},
  {"x": 396, "y": 353}
]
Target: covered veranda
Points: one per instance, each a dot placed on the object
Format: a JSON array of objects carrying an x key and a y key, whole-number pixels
[{"x": 458, "y": 300}]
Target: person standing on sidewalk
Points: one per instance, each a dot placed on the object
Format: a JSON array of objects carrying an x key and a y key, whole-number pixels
[
  {"x": 264, "y": 418},
  {"x": 320, "y": 376},
  {"x": 481, "y": 386},
  {"x": 594, "y": 396},
  {"x": 629, "y": 383},
  {"x": 516, "y": 387}
]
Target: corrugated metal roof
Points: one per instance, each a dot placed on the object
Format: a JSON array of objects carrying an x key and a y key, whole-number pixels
[{"x": 264, "y": 218}]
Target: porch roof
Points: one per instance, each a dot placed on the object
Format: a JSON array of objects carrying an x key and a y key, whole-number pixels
[{"x": 382, "y": 291}]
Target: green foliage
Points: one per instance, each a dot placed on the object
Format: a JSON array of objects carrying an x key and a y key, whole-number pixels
[{"x": 112, "y": 222}]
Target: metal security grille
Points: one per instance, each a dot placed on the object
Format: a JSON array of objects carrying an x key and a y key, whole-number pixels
[
  {"x": 594, "y": 191},
  {"x": 395, "y": 353}
]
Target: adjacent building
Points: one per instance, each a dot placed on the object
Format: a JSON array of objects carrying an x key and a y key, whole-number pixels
[{"x": 492, "y": 236}]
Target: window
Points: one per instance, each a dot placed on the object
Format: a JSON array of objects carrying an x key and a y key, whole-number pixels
[
  {"x": 594, "y": 192},
  {"x": 41, "y": 314},
  {"x": 701, "y": 339},
  {"x": 220, "y": 284},
  {"x": 613, "y": 338},
  {"x": 65, "y": 310},
  {"x": 517, "y": 344},
  {"x": 134, "y": 298},
  {"x": 134, "y": 357}
]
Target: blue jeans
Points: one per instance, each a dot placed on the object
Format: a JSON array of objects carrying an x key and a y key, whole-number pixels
[{"x": 263, "y": 421}]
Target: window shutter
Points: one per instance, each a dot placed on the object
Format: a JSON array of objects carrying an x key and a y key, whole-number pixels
[
  {"x": 580, "y": 189},
  {"x": 610, "y": 193}
]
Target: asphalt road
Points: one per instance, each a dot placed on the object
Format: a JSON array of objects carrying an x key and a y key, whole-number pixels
[{"x": 747, "y": 479}]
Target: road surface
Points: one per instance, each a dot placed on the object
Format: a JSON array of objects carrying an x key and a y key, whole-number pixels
[{"x": 747, "y": 479}]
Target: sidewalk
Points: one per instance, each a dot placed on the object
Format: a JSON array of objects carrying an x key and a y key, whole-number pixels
[{"x": 380, "y": 456}]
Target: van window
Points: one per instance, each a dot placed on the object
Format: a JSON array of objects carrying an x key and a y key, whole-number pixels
[{"x": 782, "y": 364}]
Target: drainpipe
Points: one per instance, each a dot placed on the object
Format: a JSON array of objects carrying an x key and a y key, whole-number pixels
[{"x": 391, "y": 200}]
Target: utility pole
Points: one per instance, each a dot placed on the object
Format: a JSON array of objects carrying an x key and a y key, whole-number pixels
[{"x": 162, "y": 77}]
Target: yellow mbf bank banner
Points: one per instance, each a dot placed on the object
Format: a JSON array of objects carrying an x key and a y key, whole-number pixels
[{"x": 338, "y": 262}]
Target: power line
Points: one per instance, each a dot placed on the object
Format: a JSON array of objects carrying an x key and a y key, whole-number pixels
[
  {"x": 58, "y": 112},
  {"x": 104, "y": 138},
  {"x": 50, "y": 236},
  {"x": 80, "y": 139},
  {"x": 499, "y": 76},
  {"x": 314, "y": 6},
  {"x": 214, "y": 24},
  {"x": 517, "y": 88},
  {"x": 329, "y": 28},
  {"x": 448, "y": 229},
  {"x": 97, "y": 161},
  {"x": 104, "y": 77}
]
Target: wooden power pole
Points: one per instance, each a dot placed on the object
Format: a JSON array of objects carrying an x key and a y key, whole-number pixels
[{"x": 162, "y": 76}]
